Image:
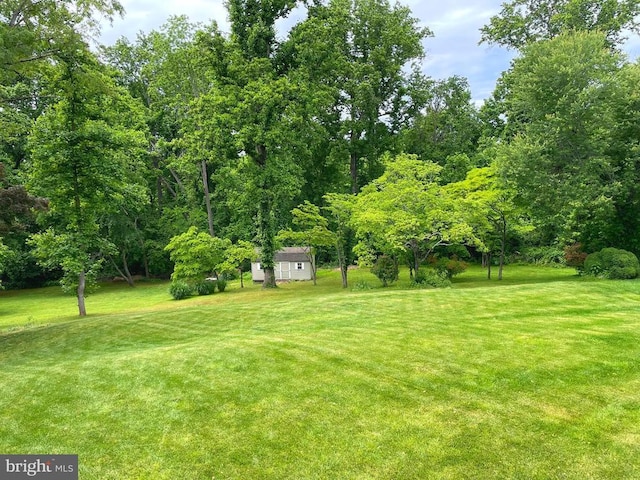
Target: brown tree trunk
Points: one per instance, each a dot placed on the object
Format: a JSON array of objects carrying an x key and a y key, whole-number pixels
[
  {"x": 489, "y": 265},
  {"x": 503, "y": 241},
  {"x": 82, "y": 281},
  {"x": 241, "y": 279},
  {"x": 314, "y": 268},
  {"x": 269, "y": 278},
  {"x": 344, "y": 269},
  {"x": 207, "y": 197}
]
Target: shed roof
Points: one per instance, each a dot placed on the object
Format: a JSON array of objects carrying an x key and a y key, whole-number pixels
[{"x": 290, "y": 254}]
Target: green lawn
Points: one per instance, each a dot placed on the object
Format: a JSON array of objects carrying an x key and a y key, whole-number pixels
[{"x": 535, "y": 377}]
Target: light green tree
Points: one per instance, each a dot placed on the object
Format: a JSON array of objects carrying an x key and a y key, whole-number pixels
[
  {"x": 196, "y": 255},
  {"x": 490, "y": 210},
  {"x": 310, "y": 233},
  {"x": 236, "y": 256},
  {"x": 339, "y": 208},
  {"x": 407, "y": 211}
]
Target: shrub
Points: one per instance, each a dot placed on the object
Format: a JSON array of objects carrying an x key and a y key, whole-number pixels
[
  {"x": 427, "y": 278},
  {"x": 222, "y": 284},
  {"x": 206, "y": 287},
  {"x": 549, "y": 256},
  {"x": 574, "y": 256},
  {"x": 612, "y": 263},
  {"x": 386, "y": 269},
  {"x": 450, "y": 266},
  {"x": 179, "y": 290}
]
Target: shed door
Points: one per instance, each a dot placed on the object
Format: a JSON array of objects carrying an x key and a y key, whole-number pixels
[{"x": 284, "y": 271}]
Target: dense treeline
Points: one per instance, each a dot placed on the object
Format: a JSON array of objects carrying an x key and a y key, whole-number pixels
[{"x": 106, "y": 157}]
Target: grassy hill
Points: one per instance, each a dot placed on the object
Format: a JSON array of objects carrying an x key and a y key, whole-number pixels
[{"x": 535, "y": 377}]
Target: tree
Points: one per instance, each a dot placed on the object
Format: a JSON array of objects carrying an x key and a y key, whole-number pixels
[
  {"x": 339, "y": 208},
  {"x": 522, "y": 22},
  {"x": 448, "y": 126},
  {"x": 259, "y": 105},
  {"x": 491, "y": 210},
  {"x": 83, "y": 150},
  {"x": 311, "y": 232},
  {"x": 361, "y": 56},
  {"x": 196, "y": 255},
  {"x": 406, "y": 210},
  {"x": 573, "y": 157},
  {"x": 34, "y": 33},
  {"x": 236, "y": 257}
]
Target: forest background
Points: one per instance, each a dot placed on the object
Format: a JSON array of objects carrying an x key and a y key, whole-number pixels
[{"x": 109, "y": 153}]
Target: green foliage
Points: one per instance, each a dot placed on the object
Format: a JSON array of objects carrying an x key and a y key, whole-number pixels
[
  {"x": 75, "y": 254},
  {"x": 612, "y": 263},
  {"x": 431, "y": 278},
  {"x": 196, "y": 255},
  {"x": 522, "y": 22},
  {"x": 570, "y": 159},
  {"x": 407, "y": 210},
  {"x": 552, "y": 256},
  {"x": 206, "y": 287},
  {"x": 180, "y": 290},
  {"x": 446, "y": 131},
  {"x": 450, "y": 267},
  {"x": 386, "y": 269},
  {"x": 236, "y": 256},
  {"x": 221, "y": 283}
]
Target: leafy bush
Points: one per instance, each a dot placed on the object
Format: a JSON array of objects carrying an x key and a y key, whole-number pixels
[
  {"x": 550, "y": 256},
  {"x": 386, "y": 269},
  {"x": 574, "y": 256},
  {"x": 612, "y": 263},
  {"x": 430, "y": 278},
  {"x": 222, "y": 284},
  {"x": 206, "y": 287},
  {"x": 450, "y": 266},
  {"x": 180, "y": 290}
]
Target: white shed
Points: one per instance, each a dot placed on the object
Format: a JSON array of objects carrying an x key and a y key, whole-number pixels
[{"x": 291, "y": 263}]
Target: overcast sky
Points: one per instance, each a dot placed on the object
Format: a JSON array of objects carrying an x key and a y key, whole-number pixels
[{"x": 453, "y": 50}]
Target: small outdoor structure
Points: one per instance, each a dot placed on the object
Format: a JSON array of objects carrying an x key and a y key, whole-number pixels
[{"x": 291, "y": 263}]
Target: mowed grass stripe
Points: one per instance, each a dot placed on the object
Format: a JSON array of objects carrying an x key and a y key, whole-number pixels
[{"x": 516, "y": 381}]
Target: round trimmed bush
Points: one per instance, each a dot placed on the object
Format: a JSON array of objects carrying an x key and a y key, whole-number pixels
[
  {"x": 179, "y": 290},
  {"x": 222, "y": 284},
  {"x": 612, "y": 263}
]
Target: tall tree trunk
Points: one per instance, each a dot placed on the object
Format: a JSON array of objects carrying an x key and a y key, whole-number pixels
[
  {"x": 207, "y": 197},
  {"x": 503, "y": 241},
  {"x": 82, "y": 281},
  {"x": 266, "y": 227},
  {"x": 314, "y": 268},
  {"x": 489, "y": 265},
  {"x": 344, "y": 270},
  {"x": 342, "y": 263},
  {"x": 241, "y": 279},
  {"x": 269, "y": 278}
]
